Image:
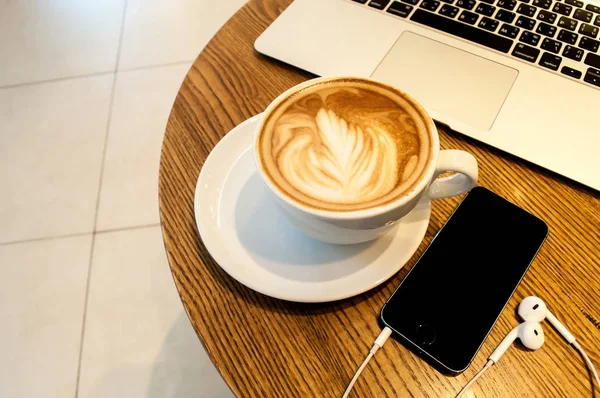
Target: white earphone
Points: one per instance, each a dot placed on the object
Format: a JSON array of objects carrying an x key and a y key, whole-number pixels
[
  {"x": 532, "y": 311},
  {"x": 531, "y": 336}
]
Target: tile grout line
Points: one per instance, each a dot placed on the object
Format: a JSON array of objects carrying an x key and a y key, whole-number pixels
[
  {"x": 93, "y": 243},
  {"x": 95, "y": 74},
  {"x": 44, "y": 238},
  {"x": 57, "y": 79},
  {"x": 77, "y": 234},
  {"x": 144, "y": 67},
  {"x": 121, "y": 229}
]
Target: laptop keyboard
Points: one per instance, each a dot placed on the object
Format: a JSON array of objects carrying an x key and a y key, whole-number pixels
[{"x": 558, "y": 36}]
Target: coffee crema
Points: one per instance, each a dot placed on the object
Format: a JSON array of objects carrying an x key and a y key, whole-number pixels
[{"x": 344, "y": 145}]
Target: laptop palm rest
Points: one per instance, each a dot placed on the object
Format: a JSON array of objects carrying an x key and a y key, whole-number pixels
[{"x": 447, "y": 80}]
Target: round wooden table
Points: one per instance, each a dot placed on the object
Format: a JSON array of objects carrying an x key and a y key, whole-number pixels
[{"x": 264, "y": 347}]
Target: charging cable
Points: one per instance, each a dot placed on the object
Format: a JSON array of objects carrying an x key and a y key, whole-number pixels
[{"x": 379, "y": 342}]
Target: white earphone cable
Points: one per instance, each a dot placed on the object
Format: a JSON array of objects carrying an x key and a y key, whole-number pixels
[
  {"x": 474, "y": 379},
  {"x": 386, "y": 332},
  {"x": 358, "y": 372},
  {"x": 588, "y": 361},
  {"x": 379, "y": 342}
]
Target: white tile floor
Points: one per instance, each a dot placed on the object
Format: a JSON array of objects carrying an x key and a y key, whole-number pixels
[{"x": 87, "y": 302}]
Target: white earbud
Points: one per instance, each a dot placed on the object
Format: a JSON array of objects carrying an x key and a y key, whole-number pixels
[
  {"x": 530, "y": 333},
  {"x": 533, "y": 309}
]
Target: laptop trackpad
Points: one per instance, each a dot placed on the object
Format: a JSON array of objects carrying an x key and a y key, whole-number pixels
[{"x": 449, "y": 81}]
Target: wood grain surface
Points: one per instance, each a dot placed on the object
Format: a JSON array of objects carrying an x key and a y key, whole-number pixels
[{"x": 264, "y": 347}]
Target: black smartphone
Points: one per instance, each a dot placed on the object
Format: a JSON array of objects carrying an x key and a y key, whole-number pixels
[{"x": 449, "y": 301}]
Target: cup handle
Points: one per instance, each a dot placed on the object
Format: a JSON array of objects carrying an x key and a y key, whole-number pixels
[{"x": 465, "y": 166}]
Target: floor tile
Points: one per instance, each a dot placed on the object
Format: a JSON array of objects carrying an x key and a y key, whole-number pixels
[
  {"x": 42, "y": 293},
  {"x": 43, "y": 40},
  {"x": 141, "y": 107},
  {"x": 51, "y": 143},
  {"x": 159, "y": 32},
  {"x": 138, "y": 341}
]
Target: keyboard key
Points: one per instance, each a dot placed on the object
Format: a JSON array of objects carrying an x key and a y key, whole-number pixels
[
  {"x": 567, "y": 23},
  {"x": 597, "y": 21},
  {"x": 399, "y": 9},
  {"x": 567, "y": 37},
  {"x": 550, "y": 61},
  {"x": 489, "y": 1},
  {"x": 592, "y": 60},
  {"x": 563, "y": 9},
  {"x": 449, "y": 11},
  {"x": 468, "y": 4},
  {"x": 551, "y": 45},
  {"x": 545, "y": 4},
  {"x": 570, "y": 72},
  {"x": 575, "y": 3},
  {"x": 413, "y": 2},
  {"x": 430, "y": 5},
  {"x": 524, "y": 9},
  {"x": 505, "y": 16},
  {"x": 448, "y": 1},
  {"x": 525, "y": 52},
  {"x": 573, "y": 52},
  {"x": 589, "y": 44},
  {"x": 509, "y": 31},
  {"x": 592, "y": 76},
  {"x": 545, "y": 29},
  {"x": 588, "y": 30},
  {"x": 379, "y": 4},
  {"x": 488, "y": 24},
  {"x": 485, "y": 9},
  {"x": 468, "y": 17},
  {"x": 526, "y": 23},
  {"x": 507, "y": 4},
  {"x": 462, "y": 30},
  {"x": 530, "y": 38},
  {"x": 583, "y": 15},
  {"x": 546, "y": 16},
  {"x": 593, "y": 8},
  {"x": 361, "y": 1}
]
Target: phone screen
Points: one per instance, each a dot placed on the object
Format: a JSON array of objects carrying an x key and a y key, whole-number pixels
[{"x": 450, "y": 300}]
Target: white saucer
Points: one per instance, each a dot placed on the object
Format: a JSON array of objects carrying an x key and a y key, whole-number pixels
[{"x": 251, "y": 240}]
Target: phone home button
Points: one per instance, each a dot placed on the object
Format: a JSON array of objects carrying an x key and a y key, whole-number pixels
[{"x": 425, "y": 335}]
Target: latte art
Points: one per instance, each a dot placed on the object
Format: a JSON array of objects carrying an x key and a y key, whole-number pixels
[
  {"x": 335, "y": 161},
  {"x": 342, "y": 146}
]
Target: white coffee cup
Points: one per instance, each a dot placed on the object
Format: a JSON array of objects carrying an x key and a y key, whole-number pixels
[{"x": 348, "y": 227}]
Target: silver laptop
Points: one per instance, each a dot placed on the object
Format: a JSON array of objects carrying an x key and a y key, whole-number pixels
[{"x": 520, "y": 75}]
